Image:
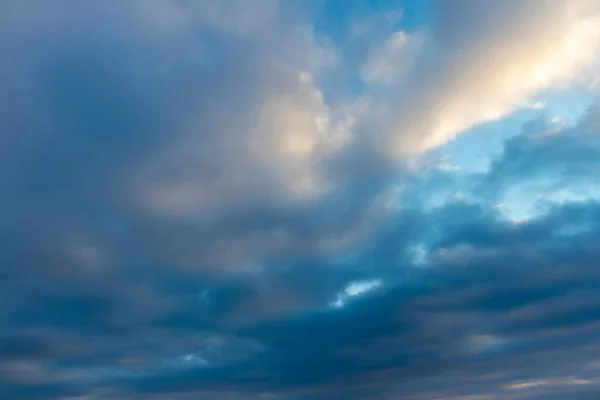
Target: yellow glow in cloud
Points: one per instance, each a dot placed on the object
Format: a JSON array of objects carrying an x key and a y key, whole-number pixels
[
  {"x": 498, "y": 76},
  {"x": 296, "y": 130},
  {"x": 561, "y": 382}
]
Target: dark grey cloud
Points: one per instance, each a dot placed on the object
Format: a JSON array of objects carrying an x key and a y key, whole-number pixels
[
  {"x": 497, "y": 305},
  {"x": 486, "y": 322}
]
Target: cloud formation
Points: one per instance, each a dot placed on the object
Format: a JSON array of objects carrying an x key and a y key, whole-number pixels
[
  {"x": 212, "y": 199},
  {"x": 483, "y": 61}
]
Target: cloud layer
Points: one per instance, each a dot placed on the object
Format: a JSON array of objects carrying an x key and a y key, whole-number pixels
[{"x": 207, "y": 199}]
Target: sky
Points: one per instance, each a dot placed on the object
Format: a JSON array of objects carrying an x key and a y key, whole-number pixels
[{"x": 299, "y": 199}]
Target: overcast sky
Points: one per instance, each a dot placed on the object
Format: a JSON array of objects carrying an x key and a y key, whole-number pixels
[{"x": 299, "y": 199}]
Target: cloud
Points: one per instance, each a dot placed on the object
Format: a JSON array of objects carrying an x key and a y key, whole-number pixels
[
  {"x": 186, "y": 199},
  {"x": 419, "y": 334},
  {"x": 483, "y": 61},
  {"x": 392, "y": 59},
  {"x": 159, "y": 114},
  {"x": 492, "y": 309}
]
